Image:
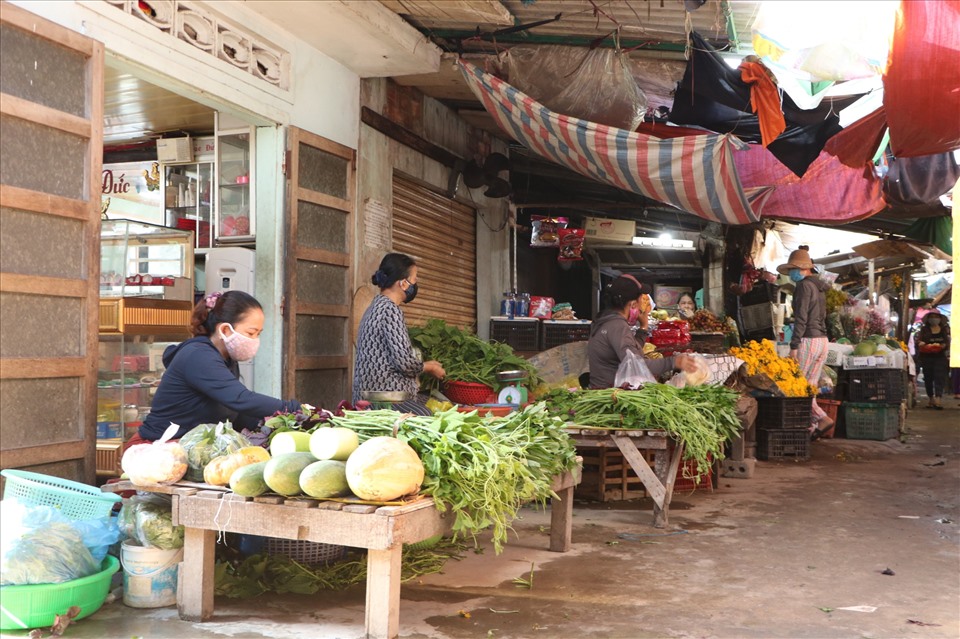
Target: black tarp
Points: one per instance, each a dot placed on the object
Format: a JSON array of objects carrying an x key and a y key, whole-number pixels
[{"x": 712, "y": 95}]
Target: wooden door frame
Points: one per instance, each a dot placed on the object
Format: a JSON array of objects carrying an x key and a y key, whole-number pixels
[
  {"x": 86, "y": 288},
  {"x": 290, "y": 305}
]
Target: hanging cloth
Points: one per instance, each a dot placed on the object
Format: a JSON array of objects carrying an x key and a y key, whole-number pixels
[{"x": 764, "y": 100}]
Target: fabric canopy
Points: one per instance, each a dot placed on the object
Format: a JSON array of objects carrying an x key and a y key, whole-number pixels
[
  {"x": 713, "y": 96},
  {"x": 829, "y": 192},
  {"x": 695, "y": 173},
  {"x": 922, "y": 85}
]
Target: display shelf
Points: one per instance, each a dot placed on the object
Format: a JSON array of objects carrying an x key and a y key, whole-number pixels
[{"x": 235, "y": 214}]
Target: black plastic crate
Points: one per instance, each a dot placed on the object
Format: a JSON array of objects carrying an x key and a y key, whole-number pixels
[
  {"x": 880, "y": 385},
  {"x": 777, "y": 413},
  {"x": 519, "y": 334},
  {"x": 554, "y": 333},
  {"x": 791, "y": 443}
]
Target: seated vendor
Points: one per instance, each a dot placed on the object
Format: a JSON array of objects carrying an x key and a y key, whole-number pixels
[
  {"x": 386, "y": 360},
  {"x": 611, "y": 336},
  {"x": 201, "y": 384},
  {"x": 686, "y": 306}
]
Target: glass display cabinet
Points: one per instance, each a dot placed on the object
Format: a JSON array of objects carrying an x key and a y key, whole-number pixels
[
  {"x": 236, "y": 222},
  {"x": 188, "y": 189},
  {"x": 146, "y": 300}
]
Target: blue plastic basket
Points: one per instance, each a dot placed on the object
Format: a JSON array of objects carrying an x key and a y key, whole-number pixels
[{"x": 74, "y": 500}]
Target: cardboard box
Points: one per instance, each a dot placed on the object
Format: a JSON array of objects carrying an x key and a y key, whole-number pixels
[
  {"x": 175, "y": 150},
  {"x": 600, "y": 230}
]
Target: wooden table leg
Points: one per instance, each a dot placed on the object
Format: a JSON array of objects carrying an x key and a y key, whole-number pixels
[
  {"x": 561, "y": 520},
  {"x": 666, "y": 465},
  {"x": 383, "y": 593},
  {"x": 195, "y": 576}
]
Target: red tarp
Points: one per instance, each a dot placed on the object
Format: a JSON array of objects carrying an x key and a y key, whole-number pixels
[
  {"x": 828, "y": 192},
  {"x": 922, "y": 85}
]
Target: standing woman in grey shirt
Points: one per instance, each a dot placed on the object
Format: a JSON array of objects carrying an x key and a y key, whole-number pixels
[
  {"x": 808, "y": 346},
  {"x": 385, "y": 359}
]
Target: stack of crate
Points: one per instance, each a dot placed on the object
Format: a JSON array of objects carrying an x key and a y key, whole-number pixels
[
  {"x": 608, "y": 477},
  {"x": 874, "y": 397},
  {"x": 783, "y": 425}
]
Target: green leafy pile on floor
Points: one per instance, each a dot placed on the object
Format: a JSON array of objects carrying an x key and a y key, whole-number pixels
[{"x": 261, "y": 573}]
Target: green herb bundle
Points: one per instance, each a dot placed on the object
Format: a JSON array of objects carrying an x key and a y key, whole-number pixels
[
  {"x": 465, "y": 357},
  {"x": 482, "y": 468},
  {"x": 703, "y": 418}
]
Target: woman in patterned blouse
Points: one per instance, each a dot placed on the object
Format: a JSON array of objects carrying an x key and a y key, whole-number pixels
[{"x": 386, "y": 360}]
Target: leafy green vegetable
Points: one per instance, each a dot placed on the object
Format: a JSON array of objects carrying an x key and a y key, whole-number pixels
[
  {"x": 206, "y": 441},
  {"x": 465, "y": 357},
  {"x": 51, "y": 553},
  {"x": 262, "y": 573},
  {"x": 155, "y": 527},
  {"x": 481, "y": 468},
  {"x": 703, "y": 418}
]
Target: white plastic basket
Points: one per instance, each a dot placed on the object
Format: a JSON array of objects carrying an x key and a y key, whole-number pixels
[{"x": 889, "y": 360}]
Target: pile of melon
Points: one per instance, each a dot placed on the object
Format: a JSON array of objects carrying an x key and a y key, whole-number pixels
[{"x": 328, "y": 463}]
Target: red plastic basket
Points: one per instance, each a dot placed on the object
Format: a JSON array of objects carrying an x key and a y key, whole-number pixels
[{"x": 468, "y": 393}]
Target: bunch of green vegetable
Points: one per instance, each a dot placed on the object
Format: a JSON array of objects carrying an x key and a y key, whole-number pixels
[
  {"x": 482, "y": 468},
  {"x": 465, "y": 357},
  {"x": 703, "y": 418},
  {"x": 262, "y": 573}
]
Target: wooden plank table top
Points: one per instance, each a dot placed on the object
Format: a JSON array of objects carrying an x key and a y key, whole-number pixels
[
  {"x": 204, "y": 511},
  {"x": 658, "y": 480}
]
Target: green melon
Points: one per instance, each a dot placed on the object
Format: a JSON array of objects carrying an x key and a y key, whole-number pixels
[
  {"x": 326, "y": 478},
  {"x": 844, "y": 340},
  {"x": 893, "y": 344},
  {"x": 332, "y": 442},
  {"x": 282, "y": 473},
  {"x": 248, "y": 480},
  {"x": 864, "y": 348}
]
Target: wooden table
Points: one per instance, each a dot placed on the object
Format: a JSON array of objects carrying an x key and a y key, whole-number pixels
[
  {"x": 382, "y": 530},
  {"x": 658, "y": 480}
]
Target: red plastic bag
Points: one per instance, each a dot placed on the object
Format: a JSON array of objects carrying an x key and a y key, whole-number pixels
[
  {"x": 541, "y": 307},
  {"x": 571, "y": 245}
]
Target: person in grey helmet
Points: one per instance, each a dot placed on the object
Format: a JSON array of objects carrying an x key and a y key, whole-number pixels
[{"x": 385, "y": 357}]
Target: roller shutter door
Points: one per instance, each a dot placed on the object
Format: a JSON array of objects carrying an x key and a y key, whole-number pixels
[{"x": 440, "y": 234}]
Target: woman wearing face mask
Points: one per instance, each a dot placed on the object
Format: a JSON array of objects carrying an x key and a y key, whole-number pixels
[
  {"x": 933, "y": 344},
  {"x": 808, "y": 346},
  {"x": 611, "y": 335},
  {"x": 686, "y": 306},
  {"x": 386, "y": 360},
  {"x": 201, "y": 384}
]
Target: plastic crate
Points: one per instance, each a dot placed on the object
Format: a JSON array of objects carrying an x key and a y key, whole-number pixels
[
  {"x": 688, "y": 484},
  {"x": 74, "y": 500},
  {"x": 875, "y": 385},
  {"x": 467, "y": 393},
  {"x": 557, "y": 332},
  {"x": 784, "y": 412},
  {"x": 832, "y": 408},
  {"x": 890, "y": 360},
  {"x": 519, "y": 334},
  {"x": 308, "y": 553},
  {"x": 37, "y": 605},
  {"x": 872, "y": 421},
  {"x": 792, "y": 443}
]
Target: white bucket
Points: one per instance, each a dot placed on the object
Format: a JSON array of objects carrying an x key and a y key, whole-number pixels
[{"x": 149, "y": 575}]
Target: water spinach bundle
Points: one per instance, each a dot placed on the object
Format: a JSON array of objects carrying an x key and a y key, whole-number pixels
[
  {"x": 703, "y": 418},
  {"x": 482, "y": 468}
]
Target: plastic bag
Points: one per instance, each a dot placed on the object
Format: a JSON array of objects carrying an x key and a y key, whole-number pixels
[
  {"x": 207, "y": 441},
  {"x": 546, "y": 230},
  {"x": 148, "y": 520},
  {"x": 571, "y": 245},
  {"x": 156, "y": 463},
  {"x": 698, "y": 377},
  {"x": 541, "y": 307},
  {"x": 633, "y": 372},
  {"x": 38, "y": 545}
]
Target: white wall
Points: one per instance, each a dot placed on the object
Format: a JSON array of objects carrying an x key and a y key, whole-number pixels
[{"x": 323, "y": 96}]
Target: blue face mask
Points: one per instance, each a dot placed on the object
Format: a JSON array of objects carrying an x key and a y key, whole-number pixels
[{"x": 796, "y": 275}]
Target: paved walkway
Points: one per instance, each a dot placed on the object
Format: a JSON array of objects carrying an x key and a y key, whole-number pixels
[{"x": 779, "y": 555}]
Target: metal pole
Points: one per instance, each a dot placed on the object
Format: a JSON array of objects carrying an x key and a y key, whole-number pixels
[{"x": 871, "y": 283}]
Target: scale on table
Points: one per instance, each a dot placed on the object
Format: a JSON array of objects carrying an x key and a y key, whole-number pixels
[
  {"x": 513, "y": 388},
  {"x": 385, "y": 399}
]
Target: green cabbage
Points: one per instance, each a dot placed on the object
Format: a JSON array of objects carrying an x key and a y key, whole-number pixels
[
  {"x": 155, "y": 528},
  {"x": 207, "y": 441}
]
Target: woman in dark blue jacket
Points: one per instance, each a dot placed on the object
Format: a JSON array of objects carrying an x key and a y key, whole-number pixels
[{"x": 201, "y": 384}]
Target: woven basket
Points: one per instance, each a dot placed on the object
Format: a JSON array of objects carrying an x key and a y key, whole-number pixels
[
  {"x": 308, "y": 553},
  {"x": 467, "y": 393}
]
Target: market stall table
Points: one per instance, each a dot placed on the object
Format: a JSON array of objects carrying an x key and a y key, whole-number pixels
[
  {"x": 658, "y": 480},
  {"x": 205, "y": 510}
]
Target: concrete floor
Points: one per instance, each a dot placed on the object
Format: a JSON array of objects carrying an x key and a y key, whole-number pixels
[{"x": 778, "y": 555}]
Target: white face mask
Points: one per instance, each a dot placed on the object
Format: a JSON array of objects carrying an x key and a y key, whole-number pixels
[{"x": 240, "y": 347}]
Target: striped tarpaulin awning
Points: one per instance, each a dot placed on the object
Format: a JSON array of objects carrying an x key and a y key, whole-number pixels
[{"x": 695, "y": 173}]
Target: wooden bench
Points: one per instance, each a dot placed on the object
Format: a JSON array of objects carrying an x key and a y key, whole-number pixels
[{"x": 206, "y": 510}]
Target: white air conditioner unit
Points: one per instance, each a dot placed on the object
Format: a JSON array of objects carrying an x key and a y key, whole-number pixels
[{"x": 175, "y": 150}]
